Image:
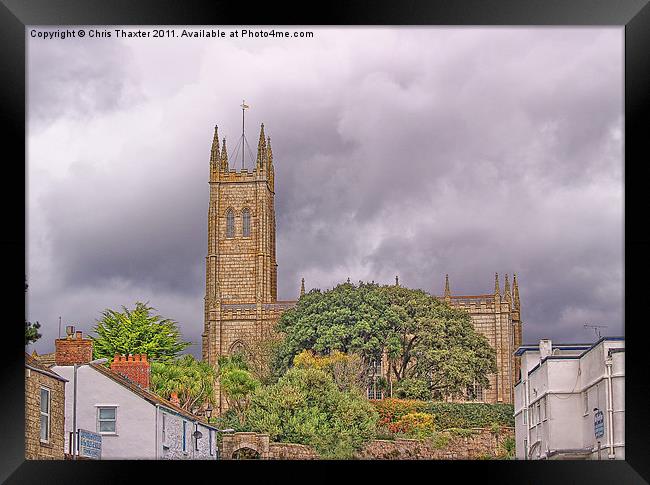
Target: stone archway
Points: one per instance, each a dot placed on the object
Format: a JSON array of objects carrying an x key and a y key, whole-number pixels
[
  {"x": 245, "y": 454},
  {"x": 238, "y": 446}
]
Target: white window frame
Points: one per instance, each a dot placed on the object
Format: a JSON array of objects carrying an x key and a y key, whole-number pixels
[
  {"x": 545, "y": 408},
  {"x": 525, "y": 414},
  {"x": 539, "y": 414},
  {"x": 108, "y": 433},
  {"x": 48, "y": 414}
]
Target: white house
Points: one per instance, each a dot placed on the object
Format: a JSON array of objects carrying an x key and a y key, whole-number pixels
[
  {"x": 134, "y": 423},
  {"x": 570, "y": 401}
]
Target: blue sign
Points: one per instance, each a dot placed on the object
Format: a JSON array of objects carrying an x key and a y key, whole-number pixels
[
  {"x": 599, "y": 424},
  {"x": 90, "y": 444}
]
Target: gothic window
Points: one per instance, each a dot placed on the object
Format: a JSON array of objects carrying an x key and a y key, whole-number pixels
[
  {"x": 238, "y": 348},
  {"x": 230, "y": 223},
  {"x": 246, "y": 223},
  {"x": 475, "y": 392}
]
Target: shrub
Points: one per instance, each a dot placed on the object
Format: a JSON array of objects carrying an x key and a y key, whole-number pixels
[
  {"x": 414, "y": 425},
  {"x": 391, "y": 410},
  {"x": 306, "y": 406},
  {"x": 470, "y": 415}
]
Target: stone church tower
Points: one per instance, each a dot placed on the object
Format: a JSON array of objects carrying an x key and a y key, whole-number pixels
[{"x": 241, "y": 303}]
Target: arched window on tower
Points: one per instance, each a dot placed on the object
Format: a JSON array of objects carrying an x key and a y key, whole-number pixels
[
  {"x": 230, "y": 223},
  {"x": 246, "y": 223}
]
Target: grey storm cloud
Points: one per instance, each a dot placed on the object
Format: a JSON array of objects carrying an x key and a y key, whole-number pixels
[{"x": 410, "y": 152}]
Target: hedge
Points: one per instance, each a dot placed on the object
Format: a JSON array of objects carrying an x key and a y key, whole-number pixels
[{"x": 447, "y": 414}]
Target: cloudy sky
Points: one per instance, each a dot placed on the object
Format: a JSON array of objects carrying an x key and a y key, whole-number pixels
[{"x": 413, "y": 152}]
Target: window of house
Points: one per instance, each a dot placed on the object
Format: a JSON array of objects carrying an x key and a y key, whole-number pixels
[
  {"x": 230, "y": 223},
  {"x": 539, "y": 414},
  {"x": 184, "y": 435},
  {"x": 210, "y": 441},
  {"x": 525, "y": 413},
  {"x": 45, "y": 414},
  {"x": 246, "y": 223},
  {"x": 196, "y": 439},
  {"x": 545, "y": 408},
  {"x": 585, "y": 402},
  {"x": 526, "y": 448},
  {"x": 107, "y": 419}
]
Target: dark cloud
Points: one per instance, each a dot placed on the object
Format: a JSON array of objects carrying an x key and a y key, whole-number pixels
[{"x": 460, "y": 151}]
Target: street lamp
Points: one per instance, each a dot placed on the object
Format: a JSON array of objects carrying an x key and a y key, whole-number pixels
[{"x": 74, "y": 404}]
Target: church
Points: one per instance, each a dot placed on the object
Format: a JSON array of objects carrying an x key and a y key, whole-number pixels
[{"x": 241, "y": 305}]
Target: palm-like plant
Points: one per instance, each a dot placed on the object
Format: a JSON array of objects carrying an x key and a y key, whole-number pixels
[{"x": 192, "y": 380}]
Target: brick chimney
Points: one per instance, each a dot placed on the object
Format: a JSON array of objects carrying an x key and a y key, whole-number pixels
[
  {"x": 73, "y": 350},
  {"x": 135, "y": 368}
]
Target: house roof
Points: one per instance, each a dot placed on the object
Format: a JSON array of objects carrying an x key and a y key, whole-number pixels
[
  {"x": 147, "y": 395},
  {"x": 35, "y": 365},
  {"x": 48, "y": 360}
]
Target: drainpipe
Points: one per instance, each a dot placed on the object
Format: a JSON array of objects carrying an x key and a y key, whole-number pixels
[
  {"x": 526, "y": 404},
  {"x": 610, "y": 408},
  {"x": 157, "y": 412}
]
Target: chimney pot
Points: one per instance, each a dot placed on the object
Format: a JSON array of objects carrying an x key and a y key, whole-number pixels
[{"x": 79, "y": 333}]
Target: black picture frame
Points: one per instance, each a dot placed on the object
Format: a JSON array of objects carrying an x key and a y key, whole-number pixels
[{"x": 632, "y": 15}]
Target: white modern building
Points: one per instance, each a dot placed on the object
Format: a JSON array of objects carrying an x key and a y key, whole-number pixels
[
  {"x": 570, "y": 401},
  {"x": 115, "y": 403}
]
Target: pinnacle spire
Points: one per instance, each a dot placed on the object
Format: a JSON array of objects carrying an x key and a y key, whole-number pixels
[
  {"x": 497, "y": 292},
  {"x": 447, "y": 290},
  {"x": 515, "y": 292},
  {"x": 396, "y": 280},
  {"x": 506, "y": 290},
  {"x": 302, "y": 287},
  {"x": 261, "y": 148},
  {"x": 224, "y": 156},
  {"x": 269, "y": 152},
  {"x": 214, "y": 151}
]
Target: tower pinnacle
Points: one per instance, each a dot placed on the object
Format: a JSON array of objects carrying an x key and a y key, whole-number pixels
[
  {"x": 515, "y": 292},
  {"x": 224, "y": 156},
  {"x": 447, "y": 291},
  {"x": 261, "y": 148},
  {"x": 497, "y": 292},
  {"x": 302, "y": 287},
  {"x": 214, "y": 151},
  {"x": 506, "y": 290}
]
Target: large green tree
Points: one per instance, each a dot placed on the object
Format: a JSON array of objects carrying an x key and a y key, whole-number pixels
[
  {"x": 430, "y": 345},
  {"x": 306, "y": 406},
  {"x": 237, "y": 383},
  {"x": 192, "y": 380},
  {"x": 137, "y": 331}
]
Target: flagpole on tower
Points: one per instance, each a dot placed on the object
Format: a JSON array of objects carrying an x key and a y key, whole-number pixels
[{"x": 244, "y": 106}]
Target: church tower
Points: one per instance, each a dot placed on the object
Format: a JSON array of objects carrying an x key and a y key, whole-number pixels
[{"x": 241, "y": 271}]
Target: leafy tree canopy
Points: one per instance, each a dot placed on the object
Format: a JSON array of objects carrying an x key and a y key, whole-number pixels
[
  {"x": 137, "y": 331},
  {"x": 347, "y": 370},
  {"x": 31, "y": 329},
  {"x": 192, "y": 380},
  {"x": 424, "y": 338},
  {"x": 306, "y": 406},
  {"x": 237, "y": 383}
]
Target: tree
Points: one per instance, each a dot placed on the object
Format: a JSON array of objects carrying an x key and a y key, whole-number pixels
[
  {"x": 347, "y": 318},
  {"x": 347, "y": 370},
  {"x": 31, "y": 329},
  {"x": 237, "y": 383},
  {"x": 137, "y": 331},
  {"x": 31, "y": 332},
  {"x": 424, "y": 338},
  {"x": 192, "y": 380},
  {"x": 305, "y": 406}
]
